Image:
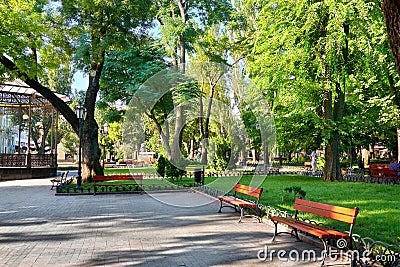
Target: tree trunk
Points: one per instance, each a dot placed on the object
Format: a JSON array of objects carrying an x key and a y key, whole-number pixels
[
  {"x": 176, "y": 142},
  {"x": 391, "y": 12},
  {"x": 91, "y": 150},
  {"x": 332, "y": 163}
]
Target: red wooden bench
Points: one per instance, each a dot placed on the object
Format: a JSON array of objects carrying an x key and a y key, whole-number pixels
[
  {"x": 108, "y": 178},
  {"x": 343, "y": 214},
  {"x": 383, "y": 174},
  {"x": 236, "y": 202}
]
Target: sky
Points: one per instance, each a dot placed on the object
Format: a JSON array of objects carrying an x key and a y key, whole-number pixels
[{"x": 80, "y": 81}]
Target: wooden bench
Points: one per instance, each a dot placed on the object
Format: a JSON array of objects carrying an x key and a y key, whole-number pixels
[
  {"x": 63, "y": 179},
  {"x": 236, "y": 202},
  {"x": 109, "y": 186},
  {"x": 343, "y": 214},
  {"x": 383, "y": 174}
]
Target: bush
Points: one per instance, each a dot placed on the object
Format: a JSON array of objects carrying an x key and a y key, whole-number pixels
[
  {"x": 222, "y": 154},
  {"x": 67, "y": 168},
  {"x": 160, "y": 165},
  {"x": 173, "y": 171},
  {"x": 291, "y": 193},
  {"x": 166, "y": 169}
]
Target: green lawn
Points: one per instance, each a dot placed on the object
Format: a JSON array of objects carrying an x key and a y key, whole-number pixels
[
  {"x": 379, "y": 204},
  {"x": 141, "y": 170}
]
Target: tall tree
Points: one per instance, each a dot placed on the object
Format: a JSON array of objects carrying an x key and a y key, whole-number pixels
[
  {"x": 181, "y": 23},
  {"x": 391, "y": 11},
  {"x": 309, "y": 48}
]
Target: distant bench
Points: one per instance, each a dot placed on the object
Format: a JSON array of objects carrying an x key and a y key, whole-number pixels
[
  {"x": 118, "y": 187},
  {"x": 382, "y": 173},
  {"x": 343, "y": 214},
  {"x": 62, "y": 180},
  {"x": 236, "y": 202}
]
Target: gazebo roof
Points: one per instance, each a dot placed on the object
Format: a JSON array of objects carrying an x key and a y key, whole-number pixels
[{"x": 18, "y": 94}]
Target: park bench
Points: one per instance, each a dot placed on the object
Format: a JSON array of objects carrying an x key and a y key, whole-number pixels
[
  {"x": 236, "y": 202},
  {"x": 382, "y": 174},
  {"x": 118, "y": 187},
  {"x": 307, "y": 165},
  {"x": 343, "y": 214},
  {"x": 63, "y": 179}
]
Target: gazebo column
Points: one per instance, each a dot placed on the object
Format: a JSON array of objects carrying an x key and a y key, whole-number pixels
[
  {"x": 29, "y": 156},
  {"x": 19, "y": 130}
]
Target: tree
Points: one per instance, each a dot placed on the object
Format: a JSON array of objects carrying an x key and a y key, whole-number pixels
[
  {"x": 179, "y": 31},
  {"x": 91, "y": 29},
  {"x": 309, "y": 49},
  {"x": 391, "y": 11}
]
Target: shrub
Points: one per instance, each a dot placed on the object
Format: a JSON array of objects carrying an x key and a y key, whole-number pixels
[
  {"x": 160, "y": 165},
  {"x": 173, "y": 171},
  {"x": 291, "y": 193}
]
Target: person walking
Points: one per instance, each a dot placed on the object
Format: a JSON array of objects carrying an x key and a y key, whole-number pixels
[{"x": 314, "y": 159}]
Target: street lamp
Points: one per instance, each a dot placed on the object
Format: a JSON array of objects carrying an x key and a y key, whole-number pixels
[{"x": 81, "y": 115}]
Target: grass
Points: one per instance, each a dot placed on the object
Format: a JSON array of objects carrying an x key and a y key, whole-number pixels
[{"x": 147, "y": 170}]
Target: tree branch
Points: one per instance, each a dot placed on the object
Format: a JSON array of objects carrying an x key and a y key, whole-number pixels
[{"x": 57, "y": 103}]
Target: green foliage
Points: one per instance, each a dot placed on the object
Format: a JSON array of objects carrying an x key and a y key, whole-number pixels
[
  {"x": 160, "y": 165},
  {"x": 291, "y": 193},
  {"x": 172, "y": 171},
  {"x": 125, "y": 71},
  {"x": 222, "y": 154},
  {"x": 166, "y": 168}
]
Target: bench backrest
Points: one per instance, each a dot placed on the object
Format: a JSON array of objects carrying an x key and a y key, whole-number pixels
[
  {"x": 378, "y": 166},
  {"x": 103, "y": 178},
  {"x": 247, "y": 190},
  {"x": 334, "y": 212},
  {"x": 64, "y": 176},
  {"x": 383, "y": 172}
]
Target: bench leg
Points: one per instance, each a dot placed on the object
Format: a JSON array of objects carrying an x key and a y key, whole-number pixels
[
  {"x": 241, "y": 214},
  {"x": 55, "y": 184},
  {"x": 220, "y": 208},
  {"x": 275, "y": 232}
]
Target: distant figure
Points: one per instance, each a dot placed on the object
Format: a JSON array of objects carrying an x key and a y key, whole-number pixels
[
  {"x": 360, "y": 164},
  {"x": 314, "y": 159},
  {"x": 394, "y": 165}
]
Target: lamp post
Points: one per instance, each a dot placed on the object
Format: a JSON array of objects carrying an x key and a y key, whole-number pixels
[
  {"x": 81, "y": 115},
  {"x": 104, "y": 133}
]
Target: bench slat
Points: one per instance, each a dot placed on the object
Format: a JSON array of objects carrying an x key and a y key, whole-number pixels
[
  {"x": 244, "y": 189},
  {"x": 297, "y": 223},
  {"x": 236, "y": 202},
  {"x": 334, "y": 212}
]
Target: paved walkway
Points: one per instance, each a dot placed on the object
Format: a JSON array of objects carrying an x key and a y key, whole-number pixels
[{"x": 40, "y": 229}]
